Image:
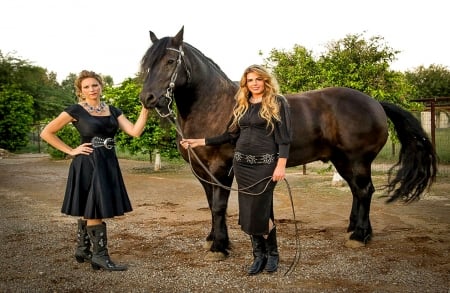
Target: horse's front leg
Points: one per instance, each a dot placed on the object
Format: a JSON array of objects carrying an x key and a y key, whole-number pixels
[
  {"x": 220, "y": 240},
  {"x": 209, "y": 191}
]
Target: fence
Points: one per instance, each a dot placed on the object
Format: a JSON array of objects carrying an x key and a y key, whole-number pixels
[{"x": 435, "y": 120}]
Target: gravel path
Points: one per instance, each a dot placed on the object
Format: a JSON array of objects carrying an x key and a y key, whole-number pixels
[{"x": 162, "y": 239}]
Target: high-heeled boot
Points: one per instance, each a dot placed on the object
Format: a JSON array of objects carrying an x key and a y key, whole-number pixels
[
  {"x": 259, "y": 254},
  {"x": 83, "y": 252},
  {"x": 100, "y": 257},
  {"x": 272, "y": 251}
]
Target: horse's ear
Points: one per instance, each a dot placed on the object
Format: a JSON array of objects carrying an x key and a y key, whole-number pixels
[
  {"x": 153, "y": 37},
  {"x": 178, "y": 39}
]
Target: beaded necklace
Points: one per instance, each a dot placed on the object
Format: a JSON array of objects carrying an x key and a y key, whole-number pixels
[{"x": 91, "y": 109}]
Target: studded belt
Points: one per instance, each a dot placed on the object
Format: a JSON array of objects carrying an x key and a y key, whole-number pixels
[
  {"x": 255, "y": 159},
  {"x": 98, "y": 142}
]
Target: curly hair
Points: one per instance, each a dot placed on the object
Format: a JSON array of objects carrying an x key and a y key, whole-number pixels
[
  {"x": 83, "y": 75},
  {"x": 270, "y": 108}
]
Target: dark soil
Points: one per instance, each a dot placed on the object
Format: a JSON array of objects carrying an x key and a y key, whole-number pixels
[{"x": 162, "y": 239}]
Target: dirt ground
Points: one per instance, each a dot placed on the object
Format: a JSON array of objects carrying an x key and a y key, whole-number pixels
[{"x": 162, "y": 239}]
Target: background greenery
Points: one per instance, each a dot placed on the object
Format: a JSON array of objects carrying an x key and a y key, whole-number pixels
[{"x": 30, "y": 96}]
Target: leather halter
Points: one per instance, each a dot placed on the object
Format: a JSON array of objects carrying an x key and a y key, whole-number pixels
[{"x": 169, "y": 92}]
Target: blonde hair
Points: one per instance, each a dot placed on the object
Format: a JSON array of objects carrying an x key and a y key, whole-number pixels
[
  {"x": 83, "y": 75},
  {"x": 270, "y": 108}
]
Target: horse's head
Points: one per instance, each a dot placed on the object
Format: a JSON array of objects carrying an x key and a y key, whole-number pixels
[{"x": 163, "y": 68}]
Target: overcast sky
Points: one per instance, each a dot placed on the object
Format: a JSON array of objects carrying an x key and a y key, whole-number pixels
[{"x": 110, "y": 37}]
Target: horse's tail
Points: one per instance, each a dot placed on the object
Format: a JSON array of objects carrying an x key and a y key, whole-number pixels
[{"x": 416, "y": 167}]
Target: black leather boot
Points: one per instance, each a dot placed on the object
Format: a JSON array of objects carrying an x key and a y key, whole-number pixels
[
  {"x": 259, "y": 254},
  {"x": 100, "y": 256},
  {"x": 272, "y": 251},
  {"x": 83, "y": 252}
]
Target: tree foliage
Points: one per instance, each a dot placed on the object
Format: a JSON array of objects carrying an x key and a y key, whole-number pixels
[
  {"x": 355, "y": 62},
  {"x": 29, "y": 94},
  {"x": 16, "y": 112},
  {"x": 430, "y": 82},
  {"x": 295, "y": 71}
]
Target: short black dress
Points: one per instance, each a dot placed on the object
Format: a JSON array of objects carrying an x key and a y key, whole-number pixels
[
  {"x": 256, "y": 154},
  {"x": 95, "y": 187}
]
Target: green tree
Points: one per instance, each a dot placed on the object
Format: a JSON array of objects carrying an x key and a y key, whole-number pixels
[
  {"x": 48, "y": 96},
  {"x": 355, "y": 62},
  {"x": 16, "y": 117},
  {"x": 430, "y": 82},
  {"x": 295, "y": 71}
]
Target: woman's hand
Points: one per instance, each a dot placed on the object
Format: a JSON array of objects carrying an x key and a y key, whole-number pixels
[
  {"x": 280, "y": 170},
  {"x": 83, "y": 149},
  {"x": 192, "y": 142}
]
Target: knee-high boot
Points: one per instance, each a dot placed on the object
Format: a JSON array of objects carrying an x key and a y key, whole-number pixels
[
  {"x": 100, "y": 256},
  {"x": 83, "y": 252},
  {"x": 272, "y": 251},
  {"x": 259, "y": 254}
]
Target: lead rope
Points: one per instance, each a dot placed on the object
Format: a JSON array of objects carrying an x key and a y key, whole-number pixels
[{"x": 216, "y": 182}]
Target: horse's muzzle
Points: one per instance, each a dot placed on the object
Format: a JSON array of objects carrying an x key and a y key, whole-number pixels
[{"x": 148, "y": 100}]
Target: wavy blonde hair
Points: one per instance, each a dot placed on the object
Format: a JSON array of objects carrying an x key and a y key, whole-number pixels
[
  {"x": 270, "y": 108},
  {"x": 83, "y": 75}
]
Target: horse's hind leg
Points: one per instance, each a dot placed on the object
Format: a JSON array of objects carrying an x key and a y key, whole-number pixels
[{"x": 358, "y": 176}]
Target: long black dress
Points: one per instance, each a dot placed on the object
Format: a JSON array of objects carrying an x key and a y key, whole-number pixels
[
  {"x": 95, "y": 187},
  {"x": 256, "y": 153}
]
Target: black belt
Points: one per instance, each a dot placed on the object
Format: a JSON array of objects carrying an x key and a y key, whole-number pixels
[
  {"x": 255, "y": 159},
  {"x": 98, "y": 142}
]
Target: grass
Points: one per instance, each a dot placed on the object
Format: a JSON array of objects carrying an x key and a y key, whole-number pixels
[{"x": 389, "y": 153}]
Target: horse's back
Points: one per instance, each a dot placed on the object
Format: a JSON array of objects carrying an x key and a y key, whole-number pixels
[{"x": 333, "y": 121}]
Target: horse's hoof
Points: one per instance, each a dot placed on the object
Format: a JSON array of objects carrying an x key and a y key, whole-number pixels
[
  {"x": 354, "y": 244},
  {"x": 215, "y": 256},
  {"x": 207, "y": 245}
]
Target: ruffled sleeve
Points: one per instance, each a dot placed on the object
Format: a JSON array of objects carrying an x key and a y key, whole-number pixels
[{"x": 283, "y": 128}]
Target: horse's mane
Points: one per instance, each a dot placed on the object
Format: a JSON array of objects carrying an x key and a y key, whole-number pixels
[
  {"x": 151, "y": 56},
  {"x": 158, "y": 48}
]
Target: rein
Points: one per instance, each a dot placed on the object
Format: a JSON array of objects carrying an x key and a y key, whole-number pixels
[{"x": 171, "y": 117}]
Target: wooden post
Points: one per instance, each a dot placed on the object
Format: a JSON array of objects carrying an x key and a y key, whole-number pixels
[
  {"x": 433, "y": 124},
  {"x": 157, "y": 161}
]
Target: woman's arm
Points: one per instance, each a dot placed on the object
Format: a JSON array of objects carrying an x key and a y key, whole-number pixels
[
  {"x": 192, "y": 142},
  {"x": 49, "y": 135},
  {"x": 137, "y": 128}
]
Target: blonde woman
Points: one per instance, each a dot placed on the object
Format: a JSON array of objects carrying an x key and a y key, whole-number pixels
[
  {"x": 261, "y": 133},
  {"x": 95, "y": 188}
]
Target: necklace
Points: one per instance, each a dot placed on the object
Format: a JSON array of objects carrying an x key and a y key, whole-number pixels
[{"x": 91, "y": 109}]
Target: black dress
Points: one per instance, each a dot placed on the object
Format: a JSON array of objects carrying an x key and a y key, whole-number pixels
[
  {"x": 256, "y": 153},
  {"x": 95, "y": 187}
]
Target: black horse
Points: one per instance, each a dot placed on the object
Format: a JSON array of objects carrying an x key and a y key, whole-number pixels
[{"x": 340, "y": 125}]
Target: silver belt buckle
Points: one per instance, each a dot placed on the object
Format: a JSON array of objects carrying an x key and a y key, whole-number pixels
[{"x": 102, "y": 142}]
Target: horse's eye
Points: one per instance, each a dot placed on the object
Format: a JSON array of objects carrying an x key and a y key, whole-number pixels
[{"x": 170, "y": 61}]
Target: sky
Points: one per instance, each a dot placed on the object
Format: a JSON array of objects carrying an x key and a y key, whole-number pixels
[{"x": 110, "y": 36}]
